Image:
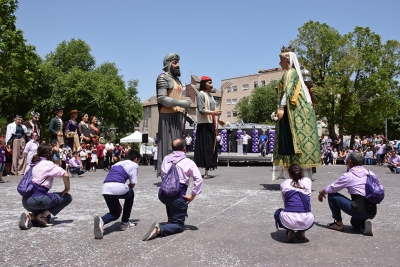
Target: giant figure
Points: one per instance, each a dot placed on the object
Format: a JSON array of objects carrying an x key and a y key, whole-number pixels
[
  {"x": 171, "y": 107},
  {"x": 296, "y": 137}
]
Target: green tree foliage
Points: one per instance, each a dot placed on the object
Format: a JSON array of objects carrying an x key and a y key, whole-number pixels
[
  {"x": 72, "y": 80},
  {"x": 355, "y": 76},
  {"x": 259, "y": 105},
  {"x": 19, "y": 66}
]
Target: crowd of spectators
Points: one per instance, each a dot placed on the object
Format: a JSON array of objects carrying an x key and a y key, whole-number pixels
[
  {"x": 376, "y": 149},
  {"x": 71, "y": 138}
]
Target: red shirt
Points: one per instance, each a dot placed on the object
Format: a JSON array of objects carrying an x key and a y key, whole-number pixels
[{"x": 100, "y": 150}]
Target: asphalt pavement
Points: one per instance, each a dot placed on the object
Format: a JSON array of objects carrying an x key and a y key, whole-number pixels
[{"x": 230, "y": 224}]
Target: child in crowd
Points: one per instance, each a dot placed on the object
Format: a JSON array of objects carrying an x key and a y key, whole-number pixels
[
  {"x": 114, "y": 189},
  {"x": 2, "y": 159},
  {"x": 83, "y": 156},
  {"x": 334, "y": 155}
]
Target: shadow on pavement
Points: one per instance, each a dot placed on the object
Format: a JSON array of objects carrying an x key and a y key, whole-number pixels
[
  {"x": 275, "y": 187},
  {"x": 61, "y": 222},
  {"x": 157, "y": 184},
  {"x": 280, "y": 236},
  {"x": 347, "y": 229}
]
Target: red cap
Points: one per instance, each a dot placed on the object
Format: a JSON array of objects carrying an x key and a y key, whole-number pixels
[{"x": 205, "y": 78}]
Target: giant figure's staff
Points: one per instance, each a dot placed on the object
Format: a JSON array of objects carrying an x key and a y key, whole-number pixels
[{"x": 223, "y": 89}]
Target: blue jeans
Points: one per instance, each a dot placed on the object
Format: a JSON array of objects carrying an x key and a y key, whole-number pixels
[
  {"x": 367, "y": 161},
  {"x": 393, "y": 169},
  {"x": 176, "y": 211},
  {"x": 76, "y": 170},
  {"x": 337, "y": 203},
  {"x": 244, "y": 149},
  {"x": 113, "y": 205},
  {"x": 155, "y": 163},
  {"x": 53, "y": 202}
]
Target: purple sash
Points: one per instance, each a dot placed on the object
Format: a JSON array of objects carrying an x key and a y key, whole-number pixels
[{"x": 296, "y": 201}]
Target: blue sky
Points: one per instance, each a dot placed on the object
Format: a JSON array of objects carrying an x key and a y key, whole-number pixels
[{"x": 218, "y": 38}]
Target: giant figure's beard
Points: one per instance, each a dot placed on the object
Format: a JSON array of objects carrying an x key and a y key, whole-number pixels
[{"x": 176, "y": 71}]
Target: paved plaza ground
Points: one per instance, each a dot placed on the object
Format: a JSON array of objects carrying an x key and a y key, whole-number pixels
[{"x": 230, "y": 224}]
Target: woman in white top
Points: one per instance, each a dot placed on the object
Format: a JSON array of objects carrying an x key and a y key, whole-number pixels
[
  {"x": 296, "y": 217},
  {"x": 31, "y": 149}
]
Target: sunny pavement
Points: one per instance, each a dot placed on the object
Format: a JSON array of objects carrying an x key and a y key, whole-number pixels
[{"x": 230, "y": 224}]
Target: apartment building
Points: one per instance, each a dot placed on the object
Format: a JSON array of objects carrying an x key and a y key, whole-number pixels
[{"x": 243, "y": 86}]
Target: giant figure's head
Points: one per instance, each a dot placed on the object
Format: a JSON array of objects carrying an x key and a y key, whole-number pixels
[{"x": 171, "y": 64}]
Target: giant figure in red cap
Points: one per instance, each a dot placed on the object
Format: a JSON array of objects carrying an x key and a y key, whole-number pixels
[
  {"x": 204, "y": 154},
  {"x": 171, "y": 107}
]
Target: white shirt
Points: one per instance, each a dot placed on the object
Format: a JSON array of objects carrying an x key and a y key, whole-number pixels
[
  {"x": 11, "y": 128},
  {"x": 109, "y": 146},
  {"x": 188, "y": 140},
  {"x": 245, "y": 139},
  {"x": 117, "y": 189}
]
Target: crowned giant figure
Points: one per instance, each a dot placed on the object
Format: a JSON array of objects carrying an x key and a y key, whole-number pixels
[
  {"x": 296, "y": 136},
  {"x": 171, "y": 107}
]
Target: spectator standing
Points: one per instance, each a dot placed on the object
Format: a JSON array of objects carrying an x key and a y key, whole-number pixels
[
  {"x": 246, "y": 139},
  {"x": 334, "y": 155},
  {"x": 2, "y": 159},
  {"x": 188, "y": 140},
  {"x": 176, "y": 206},
  {"x": 109, "y": 155},
  {"x": 154, "y": 152},
  {"x": 100, "y": 154},
  {"x": 93, "y": 161},
  {"x": 83, "y": 156},
  {"x": 114, "y": 189},
  {"x": 395, "y": 146},
  {"x": 380, "y": 153},
  {"x": 31, "y": 149},
  {"x": 368, "y": 156}
]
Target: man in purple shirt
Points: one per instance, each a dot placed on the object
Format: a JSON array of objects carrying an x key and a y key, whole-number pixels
[
  {"x": 393, "y": 162},
  {"x": 75, "y": 166},
  {"x": 358, "y": 207},
  {"x": 176, "y": 206}
]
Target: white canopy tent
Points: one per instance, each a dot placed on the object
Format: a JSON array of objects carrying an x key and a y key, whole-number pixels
[{"x": 136, "y": 137}]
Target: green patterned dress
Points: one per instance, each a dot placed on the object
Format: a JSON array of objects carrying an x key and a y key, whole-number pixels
[{"x": 296, "y": 135}]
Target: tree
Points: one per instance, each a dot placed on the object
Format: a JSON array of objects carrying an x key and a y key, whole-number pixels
[
  {"x": 76, "y": 83},
  {"x": 355, "y": 76},
  {"x": 259, "y": 105},
  {"x": 19, "y": 66}
]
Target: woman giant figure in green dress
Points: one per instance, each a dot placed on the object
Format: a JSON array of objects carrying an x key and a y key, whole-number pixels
[{"x": 296, "y": 136}]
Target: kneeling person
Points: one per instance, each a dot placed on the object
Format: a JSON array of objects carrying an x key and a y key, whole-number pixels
[
  {"x": 114, "y": 189},
  {"x": 176, "y": 206},
  {"x": 74, "y": 165}
]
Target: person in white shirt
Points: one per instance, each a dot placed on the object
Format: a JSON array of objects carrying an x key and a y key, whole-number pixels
[
  {"x": 110, "y": 149},
  {"x": 246, "y": 139},
  {"x": 188, "y": 140},
  {"x": 15, "y": 137},
  {"x": 155, "y": 155}
]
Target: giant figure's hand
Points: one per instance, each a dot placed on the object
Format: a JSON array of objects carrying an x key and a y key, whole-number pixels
[{"x": 280, "y": 114}]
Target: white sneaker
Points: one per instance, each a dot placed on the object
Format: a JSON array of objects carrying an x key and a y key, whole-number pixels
[
  {"x": 98, "y": 227},
  {"x": 329, "y": 164},
  {"x": 125, "y": 226}
]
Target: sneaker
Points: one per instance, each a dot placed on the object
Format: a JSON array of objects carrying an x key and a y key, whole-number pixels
[
  {"x": 368, "y": 228},
  {"x": 98, "y": 227},
  {"x": 125, "y": 226},
  {"x": 289, "y": 236},
  {"x": 335, "y": 226},
  {"x": 329, "y": 164},
  {"x": 2, "y": 181},
  {"x": 24, "y": 221}
]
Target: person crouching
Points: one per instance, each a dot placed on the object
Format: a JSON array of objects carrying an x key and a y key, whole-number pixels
[
  {"x": 42, "y": 203},
  {"x": 114, "y": 189},
  {"x": 296, "y": 217}
]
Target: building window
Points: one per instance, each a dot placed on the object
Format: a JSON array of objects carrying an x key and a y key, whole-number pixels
[
  {"x": 228, "y": 101},
  {"x": 234, "y": 88},
  {"x": 262, "y": 83},
  {"x": 255, "y": 84},
  {"x": 228, "y": 114},
  {"x": 228, "y": 89},
  {"x": 234, "y": 101},
  {"x": 245, "y": 87},
  {"x": 234, "y": 113}
]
